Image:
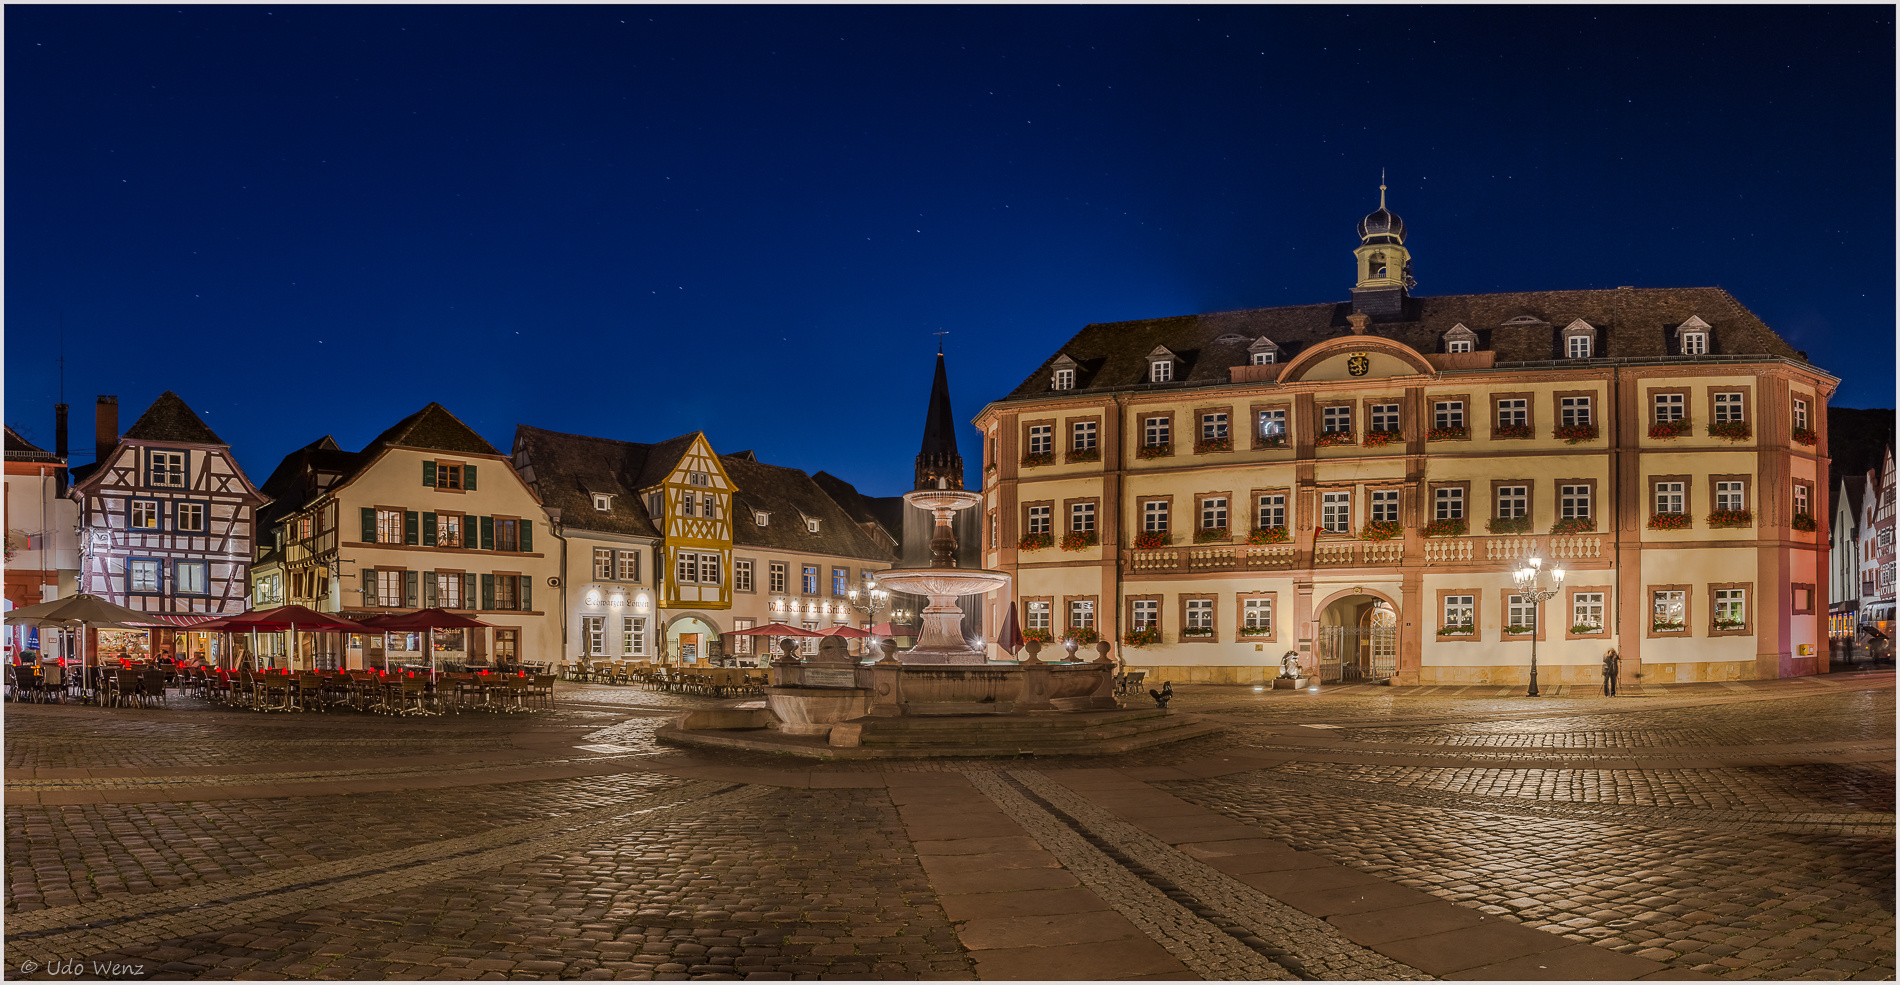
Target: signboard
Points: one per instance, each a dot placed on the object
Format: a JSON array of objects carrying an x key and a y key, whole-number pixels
[{"x": 817, "y": 677}]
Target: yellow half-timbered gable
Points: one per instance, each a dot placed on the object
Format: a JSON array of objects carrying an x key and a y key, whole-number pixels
[{"x": 698, "y": 529}]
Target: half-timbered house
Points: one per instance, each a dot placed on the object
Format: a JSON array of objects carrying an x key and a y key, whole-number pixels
[{"x": 167, "y": 518}]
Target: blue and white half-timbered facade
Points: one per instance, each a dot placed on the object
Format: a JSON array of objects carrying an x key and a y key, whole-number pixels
[{"x": 167, "y": 519}]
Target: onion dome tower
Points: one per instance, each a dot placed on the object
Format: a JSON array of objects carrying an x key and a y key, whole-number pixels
[{"x": 1384, "y": 265}]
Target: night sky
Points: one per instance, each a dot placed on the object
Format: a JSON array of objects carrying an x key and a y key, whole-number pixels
[{"x": 636, "y": 222}]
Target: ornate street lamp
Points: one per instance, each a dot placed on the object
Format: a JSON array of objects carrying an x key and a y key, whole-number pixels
[
  {"x": 873, "y": 600},
  {"x": 1532, "y": 590}
]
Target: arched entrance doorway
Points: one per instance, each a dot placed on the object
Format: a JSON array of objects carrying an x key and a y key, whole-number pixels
[
  {"x": 1358, "y": 640},
  {"x": 690, "y": 640}
]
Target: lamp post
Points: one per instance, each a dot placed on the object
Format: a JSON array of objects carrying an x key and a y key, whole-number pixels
[
  {"x": 1530, "y": 587},
  {"x": 873, "y": 600}
]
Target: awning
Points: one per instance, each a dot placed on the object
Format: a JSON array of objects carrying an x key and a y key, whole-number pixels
[{"x": 175, "y": 620}]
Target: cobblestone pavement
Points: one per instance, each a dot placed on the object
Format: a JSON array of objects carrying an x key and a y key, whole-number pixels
[{"x": 1735, "y": 831}]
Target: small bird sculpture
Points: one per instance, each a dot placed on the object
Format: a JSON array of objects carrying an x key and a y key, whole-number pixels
[{"x": 1163, "y": 696}]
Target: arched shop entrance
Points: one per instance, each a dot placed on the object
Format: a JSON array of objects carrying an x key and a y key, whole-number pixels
[
  {"x": 1358, "y": 639},
  {"x": 692, "y": 640}
]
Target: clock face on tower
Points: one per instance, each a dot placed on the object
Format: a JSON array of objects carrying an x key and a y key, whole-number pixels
[{"x": 1358, "y": 364}]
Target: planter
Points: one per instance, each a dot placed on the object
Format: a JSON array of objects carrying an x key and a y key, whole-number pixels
[
  {"x": 1085, "y": 455},
  {"x": 1080, "y": 540},
  {"x": 1040, "y": 458},
  {"x": 1574, "y": 525},
  {"x": 1034, "y": 542},
  {"x": 1575, "y": 433},
  {"x": 1328, "y": 439},
  {"x": 1086, "y": 637},
  {"x": 1454, "y": 432},
  {"x": 1670, "y": 429},
  {"x": 1042, "y": 636},
  {"x": 1446, "y": 528},
  {"x": 1669, "y": 521},
  {"x": 1213, "y": 444},
  {"x": 1731, "y": 430},
  {"x": 1145, "y": 636},
  {"x": 1148, "y": 540},
  {"x": 1380, "y": 530},
  {"x": 1256, "y": 631},
  {"x": 1270, "y": 441},
  {"x": 1511, "y": 431},
  {"x": 1585, "y": 630},
  {"x": 1197, "y": 634},
  {"x": 1518, "y": 630},
  {"x": 1666, "y": 627},
  {"x": 1804, "y": 521},
  {"x": 1379, "y": 439},
  {"x": 1154, "y": 451},
  {"x": 1268, "y": 535},
  {"x": 1805, "y": 436},
  {"x": 1730, "y": 627},
  {"x": 1730, "y": 519},
  {"x": 1210, "y": 535},
  {"x": 1465, "y": 630},
  {"x": 1508, "y": 524}
]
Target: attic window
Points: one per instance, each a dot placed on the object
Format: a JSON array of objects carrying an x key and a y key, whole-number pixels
[
  {"x": 1578, "y": 347},
  {"x": 1263, "y": 359},
  {"x": 1065, "y": 380},
  {"x": 1695, "y": 343},
  {"x": 1161, "y": 371},
  {"x": 761, "y": 518},
  {"x": 603, "y": 502},
  {"x": 698, "y": 479},
  {"x": 1458, "y": 345},
  {"x": 811, "y": 524}
]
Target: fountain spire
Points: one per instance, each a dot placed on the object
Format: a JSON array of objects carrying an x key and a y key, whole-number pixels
[{"x": 938, "y": 464}]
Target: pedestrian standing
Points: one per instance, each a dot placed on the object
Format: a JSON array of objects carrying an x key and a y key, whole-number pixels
[{"x": 1610, "y": 664}]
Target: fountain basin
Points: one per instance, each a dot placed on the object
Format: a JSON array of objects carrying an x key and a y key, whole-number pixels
[
  {"x": 814, "y": 710},
  {"x": 952, "y": 582}
]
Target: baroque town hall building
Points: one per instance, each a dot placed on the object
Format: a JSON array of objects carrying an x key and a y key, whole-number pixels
[{"x": 1356, "y": 482}]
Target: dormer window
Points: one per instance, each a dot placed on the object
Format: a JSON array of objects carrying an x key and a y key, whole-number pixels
[
  {"x": 1065, "y": 380},
  {"x": 1580, "y": 339},
  {"x": 1461, "y": 339},
  {"x": 811, "y": 524},
  {"x": 1263, "y": 359},
  {"x": 1458, "y": 345},
  {"x": 761, "y": 518},
  {"x": 1263, "y": 352},
  {"x": 603, "y": 502},
  {"x": 1695, "y": 343},
  {"x": 1161, "y": 371}
]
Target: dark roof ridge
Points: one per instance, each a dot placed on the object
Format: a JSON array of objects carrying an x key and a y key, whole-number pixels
[
  {"x": 171, "y": 419},
  {"x": 455, "y": 438}
]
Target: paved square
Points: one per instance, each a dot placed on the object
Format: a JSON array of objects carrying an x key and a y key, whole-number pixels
[{"x": 1729, "y": 831}]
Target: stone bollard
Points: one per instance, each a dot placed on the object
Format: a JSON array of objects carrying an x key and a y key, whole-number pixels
[
  {"x": 1103, "y": 696},
  {"x": 1036, "y": 685},
  {"x": 785, "y": 666}
]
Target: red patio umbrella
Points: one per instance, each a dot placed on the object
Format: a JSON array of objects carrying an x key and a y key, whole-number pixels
[
  {"x": 425, "y": 620},
  {"x": 847, "y": 632},
  {"x": 775, "y": 629},
  {"x": 292, "y": 618}
]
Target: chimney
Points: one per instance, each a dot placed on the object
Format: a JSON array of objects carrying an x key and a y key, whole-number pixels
[
  {"x": 105, "y": 428},
  {"x": 59, "y": 447}
]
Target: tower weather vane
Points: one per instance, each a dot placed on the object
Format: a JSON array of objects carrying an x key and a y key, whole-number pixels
[{"x": 940, "y": 333}]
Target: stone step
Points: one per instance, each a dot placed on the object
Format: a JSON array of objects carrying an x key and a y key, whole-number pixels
[
  {"x": 1019, "y": 733},
  {"x": 1049, "y": 720}
]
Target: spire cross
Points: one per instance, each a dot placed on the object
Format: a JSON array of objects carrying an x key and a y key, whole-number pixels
[
  {"x": 940, "y": 333},
  {"x": 1382, "y": 188}
]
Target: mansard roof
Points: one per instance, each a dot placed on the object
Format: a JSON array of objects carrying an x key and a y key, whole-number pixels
[
  {"x": 791, "y": 496},
  {"x": 169, "y": 419},
  {"x": 1518, "y": 327},
  {"x": 18, "y": 449},
  {"x": 433, "y": 427}
]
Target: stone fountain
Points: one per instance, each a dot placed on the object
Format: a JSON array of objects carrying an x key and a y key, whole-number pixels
[{"x": 942, "y": 697}]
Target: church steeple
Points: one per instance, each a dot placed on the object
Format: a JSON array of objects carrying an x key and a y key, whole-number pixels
[
  {"x": 1384, "y": 264},
  {"x": 938, "y": 459}
]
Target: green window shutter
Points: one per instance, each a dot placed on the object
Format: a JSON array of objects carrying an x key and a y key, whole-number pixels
[
  {"x": 369, "y": 525},
  {"x": 488, "y": 591},
  {"x": 428, "y": 529},
  {"x": 411, "y": 527},
  {"x": 468, "y": 592},
  {"x": 428, "y": 589},
  {"x": 411, "y": 583},
  {"x": 527, "y": 591},
  {"x": 488, "y": 533},
  {"x": 527, "y": 535},
  {"x": 468, "y": 477},
  {"x": 369, "y": 586},
  {"x": 428, "y": 474}
]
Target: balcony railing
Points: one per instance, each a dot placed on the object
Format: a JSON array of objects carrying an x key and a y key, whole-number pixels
[
  {"x": 1237, "y": 557},
  {"x": 1365, "y": 553}
]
